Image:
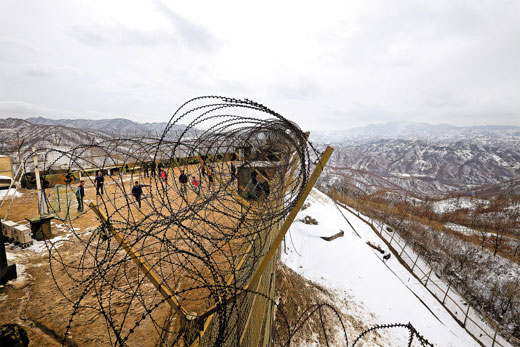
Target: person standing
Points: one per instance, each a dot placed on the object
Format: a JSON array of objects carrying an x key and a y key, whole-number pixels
[
  {"x": 160, "y": 166},
  {"x": 164, "y": 175},
  {"x": 183, "y": 180},
  {"x": 233, "y": 171},
  {"x": 80, "y": 194},
  {"x": 153, "y": 167},
  {"x": 145, "y": 170},
  {"x": 100, "y": 180},
  {"x": 210, "y": 177},
  {"x": 196, "y": 185},
  {"x": 137, "y": 192}
]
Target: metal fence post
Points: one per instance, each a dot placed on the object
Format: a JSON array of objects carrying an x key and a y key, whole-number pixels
[
  {"x": 446, "y": 294},
  {"x": 392, "y": 238},
  {"x": 428, "y": 278},
  {"x": 402, "y": 250},
  {"x": 415, "y": 262},
  {"x": 467, "y": 313},
  {"x": 495, "y": 337}
]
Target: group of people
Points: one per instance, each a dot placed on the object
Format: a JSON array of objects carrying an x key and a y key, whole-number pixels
[
  {"x": 80, "y": 192},
  {"x": 137, "y": 189}
]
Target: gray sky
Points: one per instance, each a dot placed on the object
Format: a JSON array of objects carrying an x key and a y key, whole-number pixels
[{"x": 326, "y": 65}]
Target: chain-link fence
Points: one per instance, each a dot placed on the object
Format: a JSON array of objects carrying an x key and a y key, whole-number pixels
[{"x": 482, "y": 328}]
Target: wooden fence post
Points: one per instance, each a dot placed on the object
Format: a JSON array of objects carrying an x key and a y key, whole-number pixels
[
  {"x": 290, "y": 217},
  {"x": 42, "y": 204}
]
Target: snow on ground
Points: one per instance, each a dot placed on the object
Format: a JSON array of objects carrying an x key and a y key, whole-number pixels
[
  {"x": 9, "y": 193},
  {"x": 464, "y": 229},
  {"x": 450, "y": 205},
  {"x": 40, "y": 246},
  {"x": 349, "y": 265}
]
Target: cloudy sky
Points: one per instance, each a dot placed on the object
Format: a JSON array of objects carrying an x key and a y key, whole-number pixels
[{"x": 326, "y": 65}]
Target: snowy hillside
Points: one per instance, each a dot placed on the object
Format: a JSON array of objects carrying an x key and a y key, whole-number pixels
[
  {"x": 349, "y": 266},
  {"x": 424, "y": 167},
  {"x": 422, "y": 158}
]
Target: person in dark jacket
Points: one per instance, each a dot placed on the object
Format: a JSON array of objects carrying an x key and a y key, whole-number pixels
[
  {"x": 100, "y": 182},
  {"x": 137, "y": 192},
  {"x": 183, "y": 180},
  {"x": 265, "y": 189},
  {"x": 210, "y": 177},
  {"x": 153, "y": 167},
  {"x": 233, "y": 171},
  {"x": 80, "y": 194},
  {"x": 145, "y": 169}
]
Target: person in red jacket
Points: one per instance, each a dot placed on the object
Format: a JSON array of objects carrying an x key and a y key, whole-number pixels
[
  {"x": 164, "y": 175},
  {"x": 196, "y": 185}
]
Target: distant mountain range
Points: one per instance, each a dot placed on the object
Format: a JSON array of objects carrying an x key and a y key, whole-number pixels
[
  {"x": 415, "y": 131},
  {"x": 413, "y": 157},
  {"x": 20, "y": 135},
  {"x": 420, "y": 158},
  {"x": 117, "y": 126}
]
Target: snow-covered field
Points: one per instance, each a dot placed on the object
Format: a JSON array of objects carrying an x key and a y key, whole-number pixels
[
  {"x": 348, "y": 265},
  {"x": 9, "y": 194}
]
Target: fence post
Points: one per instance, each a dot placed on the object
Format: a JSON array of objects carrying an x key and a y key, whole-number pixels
[
  {"x": 446, "y": 294},
  {"x": 393, "y": 234},
  {"x": 290, "y": 217},
  {"x": 402, "y": 251},
  {"x": 495, "y": 337},
  {"x": 467, "y": 313},
  {"x": 428, "y": 278},
  {"x": 415, "y": 262}
]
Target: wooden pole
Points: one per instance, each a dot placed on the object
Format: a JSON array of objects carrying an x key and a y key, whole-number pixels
[
  {"x": 42, "y": 206},
  {"x": 290, "y": 218},
  {"x": 186, "y": 319}
]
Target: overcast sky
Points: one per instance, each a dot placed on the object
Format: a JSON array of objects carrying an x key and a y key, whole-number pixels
[{"x": 325, "y": 65}]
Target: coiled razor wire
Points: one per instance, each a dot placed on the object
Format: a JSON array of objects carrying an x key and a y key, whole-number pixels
[{"x": 203, "y": 242}]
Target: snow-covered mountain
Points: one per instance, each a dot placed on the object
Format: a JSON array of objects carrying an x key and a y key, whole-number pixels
[
  {"x": 431, "y": 159},
  {"x": 20, "y": 135},
  {"x": 417, "y": 131}
]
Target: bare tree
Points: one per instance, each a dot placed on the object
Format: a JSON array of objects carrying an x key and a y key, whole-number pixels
[{"x": 500, "y": 228}]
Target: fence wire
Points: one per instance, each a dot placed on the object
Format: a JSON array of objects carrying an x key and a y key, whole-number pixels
[{"x": 195, "y": 209}]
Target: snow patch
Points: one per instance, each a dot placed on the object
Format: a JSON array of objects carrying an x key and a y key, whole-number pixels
[{"x": 349, "y": 265}]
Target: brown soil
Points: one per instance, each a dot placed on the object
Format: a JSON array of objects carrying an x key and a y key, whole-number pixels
[{"x": 38, "y": 305}]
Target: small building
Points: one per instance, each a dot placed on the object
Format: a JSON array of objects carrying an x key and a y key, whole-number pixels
[{"x": 6, "y": 169}]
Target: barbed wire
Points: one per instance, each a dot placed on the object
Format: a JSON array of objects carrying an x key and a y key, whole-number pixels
[{"x": 194, "y": 208}]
